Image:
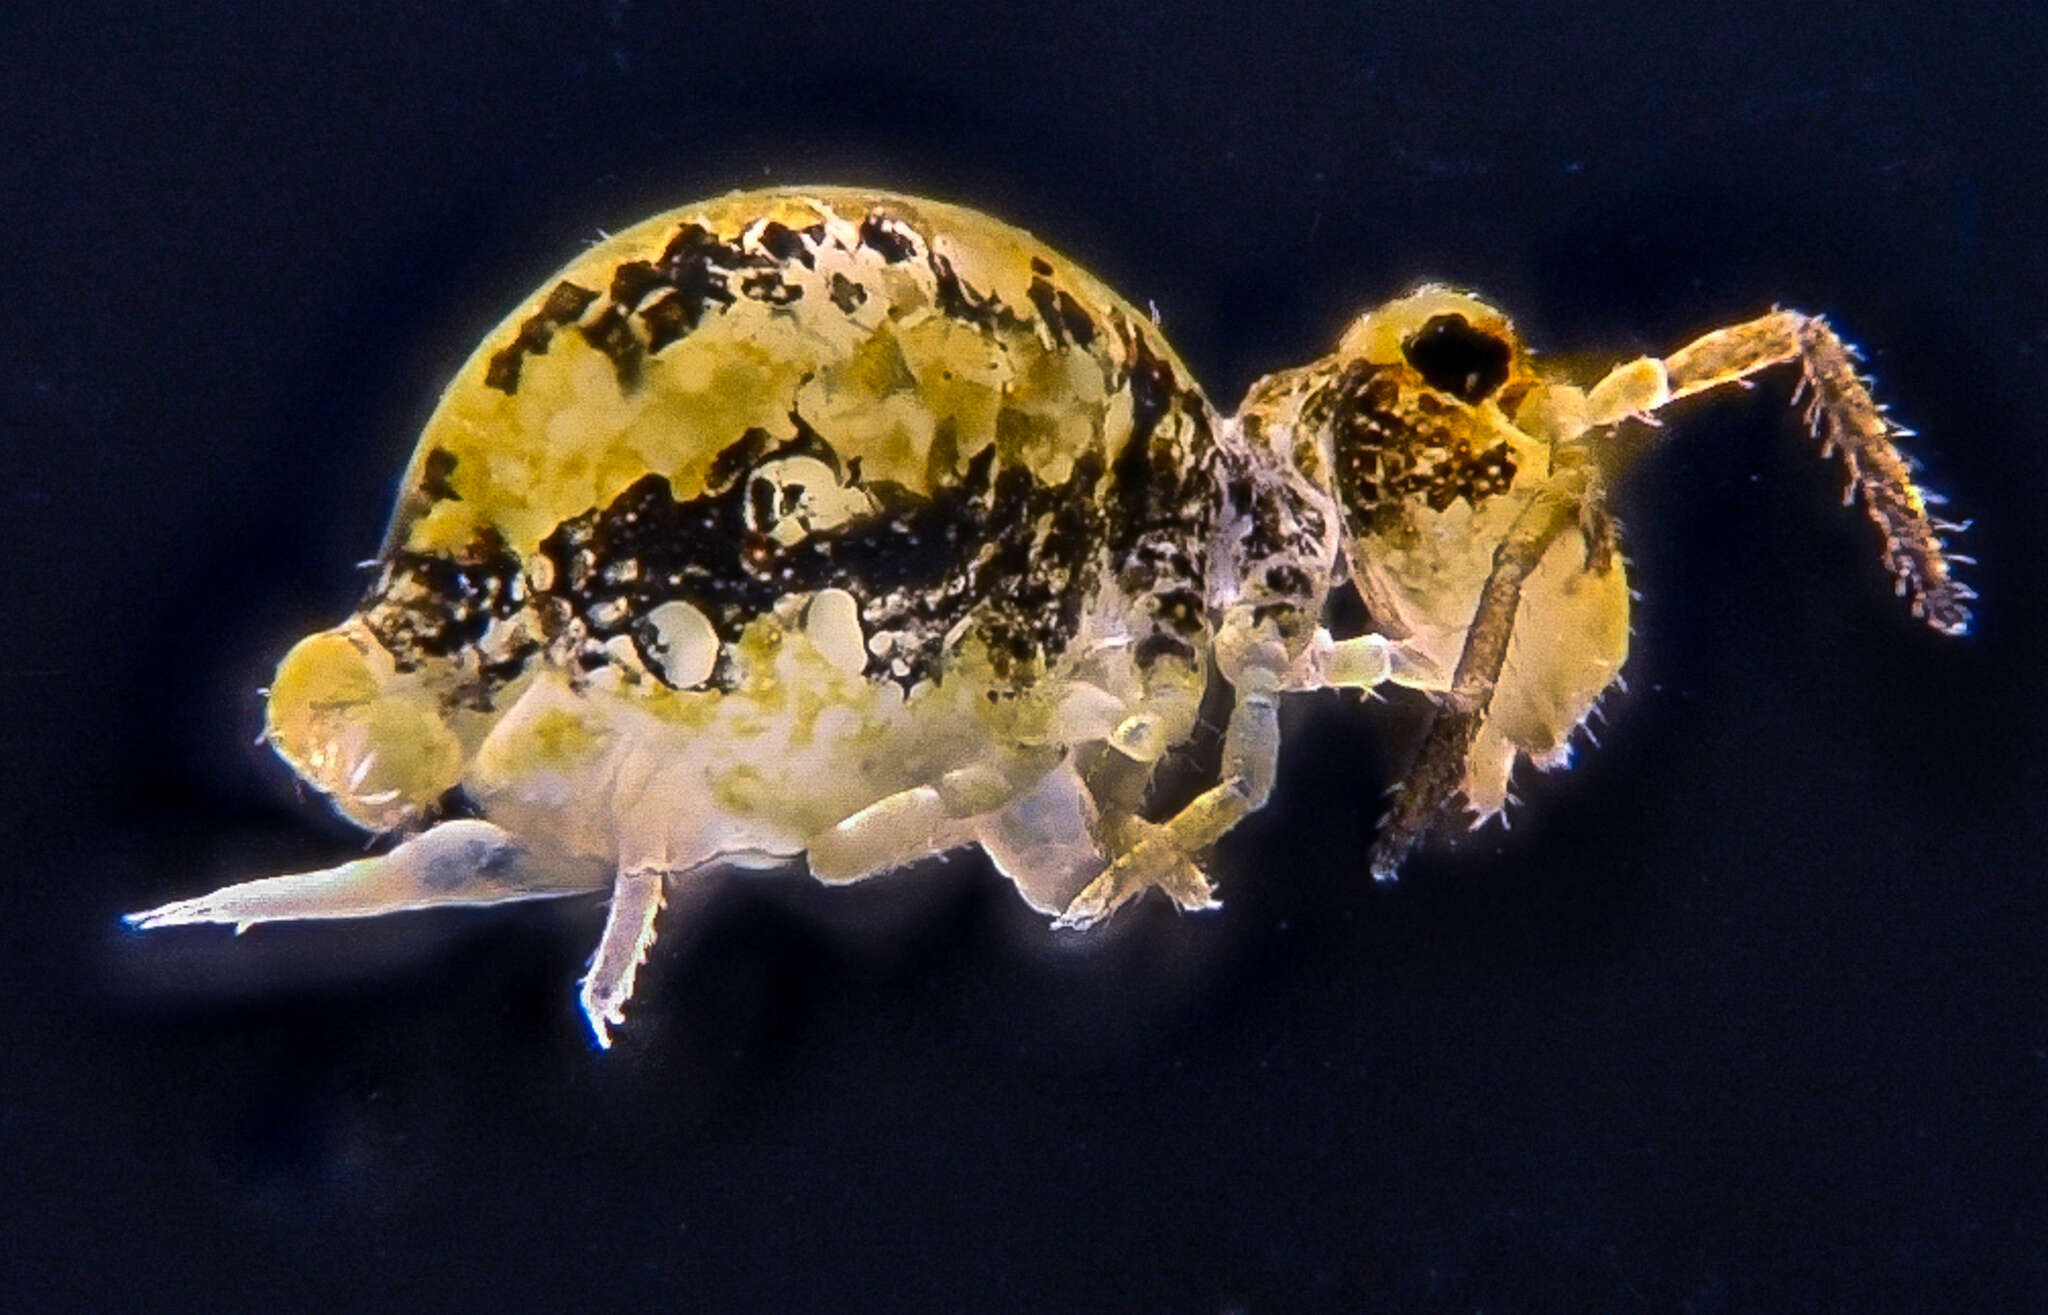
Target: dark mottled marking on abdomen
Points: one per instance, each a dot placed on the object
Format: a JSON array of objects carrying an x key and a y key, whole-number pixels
[
  {"x": 632, "y": 281},
  {"x": 1080, "y": 327},
  {"x": 610, "y": 334},
  {"x": 1164, "y": 495},
  {"x": 736, "y": 459},
  {"x": 434, "y": 472},
  {"x": 993, "y": 545},
  {"x": 847, "y": 295},
  {"x": 770, "y": 287},
  {"x": 433, "y": 605},
  {"x": 960, "y": 300},
  {"x": 888, "y": 238},
  {"x": 785, "y": 244},
  {"x": 1047, "y": 303},
  {"x": 564, "y": 305}
]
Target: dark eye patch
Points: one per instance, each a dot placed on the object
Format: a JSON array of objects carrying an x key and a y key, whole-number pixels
[{"x": 1453, "y": 357}]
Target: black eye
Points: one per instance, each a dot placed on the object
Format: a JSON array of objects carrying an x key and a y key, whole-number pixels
[{"x": 1453, "y": 357}]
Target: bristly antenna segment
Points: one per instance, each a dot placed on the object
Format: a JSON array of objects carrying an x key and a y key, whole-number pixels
[{"x": 1850, "y": 422}]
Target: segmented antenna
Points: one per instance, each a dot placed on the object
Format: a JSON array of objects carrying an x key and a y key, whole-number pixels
[{"x": 1842, "y": 414}]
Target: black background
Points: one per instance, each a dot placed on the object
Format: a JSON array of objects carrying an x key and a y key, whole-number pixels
[{"x": 1748, "y": 1013}]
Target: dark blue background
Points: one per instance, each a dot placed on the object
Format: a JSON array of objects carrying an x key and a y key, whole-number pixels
[{"x": 1749, "y": 1012}]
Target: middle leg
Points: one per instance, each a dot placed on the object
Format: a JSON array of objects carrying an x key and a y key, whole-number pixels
[
  {"x": 1255, "y": 661},
  {"x": 1118, "y": 781}
]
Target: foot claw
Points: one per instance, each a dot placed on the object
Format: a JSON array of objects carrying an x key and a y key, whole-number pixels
[
  {"x": 603, "y": 1015},
  {"x": 1147, "y": 863},
  {"x": 1097, "y": 900}
]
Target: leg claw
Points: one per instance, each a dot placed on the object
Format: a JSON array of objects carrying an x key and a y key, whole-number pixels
[{"x": 1146, "y": 861}]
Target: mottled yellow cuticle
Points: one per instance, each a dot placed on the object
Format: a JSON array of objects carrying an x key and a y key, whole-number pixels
[{"x": 834, "y": 524}]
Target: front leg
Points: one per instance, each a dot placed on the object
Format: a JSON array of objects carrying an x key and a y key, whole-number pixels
[
  {"x": 1440, "y": 765},
  {"x": 1044, "y": 841},
  {"x": 1164, "y": 855}
]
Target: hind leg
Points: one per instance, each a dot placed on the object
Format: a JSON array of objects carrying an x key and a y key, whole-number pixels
[
  {"x": 898, "y": 830},
  {"x": 922, "y": 821},
  {"x": 1044, "y": 841}
]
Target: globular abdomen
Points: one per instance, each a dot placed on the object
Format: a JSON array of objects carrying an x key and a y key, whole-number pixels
[{"x": 753, "y": 514}]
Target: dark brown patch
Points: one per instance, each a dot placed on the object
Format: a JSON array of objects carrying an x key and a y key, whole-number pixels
[
  {"x": 846, "y": 294},
  {"x": 737, "y": 459},
  {"x": 913, "y": 564},
  {"x": 1393, "y": 443},
  {"x": 434, "y": 473},
  {"x": 760, "y": 504},
  {"x": 1160, "y": 644},
  {"x": 1059, "y": 312},
  {"x": 1182, "y": 610},
  {"x": 887, "y": 238},
  {"x": 565, "y": 304},
  {"x": 1047, "y": 303},
  {"x": 770, "y": 287},
  {"x": 1080, "y": 327},
  {"x": 432, "y": 605},
  {"x": 960, "y": 300},
  {"x": 1147, "y": 484},
  {"x": 1286, "y": 578},
  {"x": 785, "y": 244},
  {"x": 695, "y": 264},
  {"x": 611, "y": 334},
  {"x": 503, "y": 371},
  {"x": 1163, "y": 495},
  {"x": 632, "y": 281},
  {"x": 666, "y": 321},
  {"x": 655, "y": 303}
]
